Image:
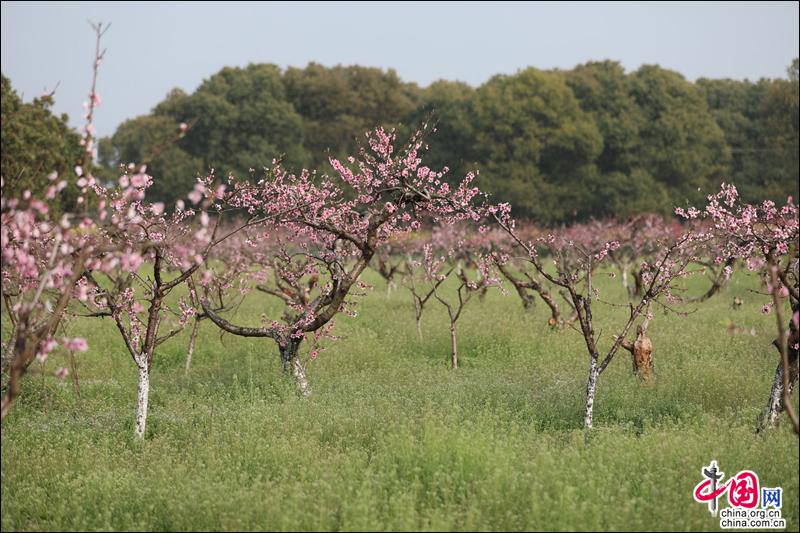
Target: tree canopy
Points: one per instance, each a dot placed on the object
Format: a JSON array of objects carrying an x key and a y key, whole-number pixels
[
  {"x": 35, "y": 143},
  {"x": 559, "y": 145}
]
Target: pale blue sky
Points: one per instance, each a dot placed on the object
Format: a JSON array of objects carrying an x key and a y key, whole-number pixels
[{"x": 153, "y": 47}]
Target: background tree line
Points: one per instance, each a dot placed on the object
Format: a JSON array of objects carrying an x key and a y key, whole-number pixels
[{"x": 561, "y": 146}]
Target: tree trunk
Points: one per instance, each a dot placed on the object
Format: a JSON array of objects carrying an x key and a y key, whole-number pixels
[
  {"x": 74, "y": 373},
  {"x": 8, "y": 350},
  {"x": 527, "y": 300},
  {"x": 555, "y": 315},
  {"x": 637, "y": 277},
  {"x": 142, "y": 395},
  {"x": 419, "y": 327},
  {"x": 628, "y": 288},
  {"x": 625, "y": 277},
  {"x": 192, "y": 338},
  {"x": 591, "y": 389},
  {"x": 291, "y": 363},
  {"x": 22, "y": 357},
  {"x": 769, "y": 417},
  {"x": 300, "y": 377},
  {"x": 453, "y": 345}
]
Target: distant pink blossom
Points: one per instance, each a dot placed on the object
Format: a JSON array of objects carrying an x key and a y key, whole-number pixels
[
  {"x": 130, "y": 262},
  {"x": 78, "y": 344}
]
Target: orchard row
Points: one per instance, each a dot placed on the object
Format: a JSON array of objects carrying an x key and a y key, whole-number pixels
[{"x": 306, "y": 239}]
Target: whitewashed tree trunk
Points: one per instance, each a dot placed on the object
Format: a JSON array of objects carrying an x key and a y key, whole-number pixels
[
  {"x": 591, "y": 389},
  {"x": 190, "y": 351},
  {"x": 454, "y": 346},
  {"x": 769, "y": 418},
  {"x": 625, "y": 281},
  {"x": 143, "y": 393},
  {"x": 300, "y": 377},
  {"x": 419, "y": 327},
  {"x": 291, "y": 363}
]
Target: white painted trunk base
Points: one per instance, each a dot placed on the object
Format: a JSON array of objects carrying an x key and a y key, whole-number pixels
[
  {"x": 591, "y": 389},
  {"x": 300, "y": 377},
  {"x": 142, "y": 396},
  {"x": 772, "y": 413}
]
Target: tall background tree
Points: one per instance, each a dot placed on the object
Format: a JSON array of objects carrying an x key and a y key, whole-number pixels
[
  {"x": 536, "y": 144},
  {"x": 680, "y": 144},
  {"x": 35, "y": 142},
  {"x": 623, "y": 186},
  {"x": 561, "y": 146},
  {"x": 240, "y": 117},
  {"x": 338, "y": 104}
]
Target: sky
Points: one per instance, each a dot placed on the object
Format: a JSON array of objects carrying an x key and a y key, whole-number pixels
[{"x": 156, "y": 46}]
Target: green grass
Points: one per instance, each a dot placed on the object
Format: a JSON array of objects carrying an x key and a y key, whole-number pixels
[{"x": 392, "y": 438}]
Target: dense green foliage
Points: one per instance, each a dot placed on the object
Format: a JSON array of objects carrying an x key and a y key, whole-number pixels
[
  {"x": 561, "y": 146},
  {"x": 593, "y": 141},
  {"x": 35, "y": 142},
  {"x": 391, "y": 438},
  {"x": 760, "y": 122},
  {"x": 339, "y": 104}
]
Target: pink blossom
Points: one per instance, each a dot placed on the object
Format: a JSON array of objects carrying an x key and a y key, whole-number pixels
[
  {"x": 130, "y": 262},
  {"x": 139, "y": 180},
  {"x": 78, "y": 344},
  {"x": 195, "y": 197}
]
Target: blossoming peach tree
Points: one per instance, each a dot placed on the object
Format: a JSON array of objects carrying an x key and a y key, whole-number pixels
[
  {"x": 766, "y": 238},
  {"x": 42, "y": 259},
  {"x": 333, "y": 227},
  {"x": 160, "y": 252},
  {"x": 574, "y": 264},
  {"x": 439, "y": 267}
]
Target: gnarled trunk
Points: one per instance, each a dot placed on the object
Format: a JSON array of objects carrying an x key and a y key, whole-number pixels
[
  {"x": 299, "y": 374},
  {"x": 769, "y": 417},
  {"x": 291, "y": 363}
]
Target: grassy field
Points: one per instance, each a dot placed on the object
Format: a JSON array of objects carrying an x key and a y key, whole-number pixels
[{"x": 392, "y": 438}]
